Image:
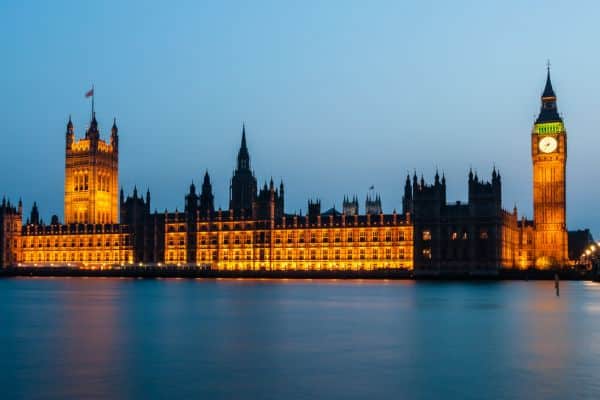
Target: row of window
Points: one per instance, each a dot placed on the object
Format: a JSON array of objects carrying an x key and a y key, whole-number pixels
[
  {"x": 313, "y": 254},
  {"x": 75, "y": 243},
  {"x": 284, "y": 266},
  {"x": 77, "y": 257},
  {"x": 293, "y": 237}
]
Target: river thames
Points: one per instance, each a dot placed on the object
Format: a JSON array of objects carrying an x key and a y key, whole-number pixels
[{"x": 71, "y": 338}]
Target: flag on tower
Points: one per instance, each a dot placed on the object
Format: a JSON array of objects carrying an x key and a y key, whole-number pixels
[
  {"x": 372, "y": 187},
  {"x": 89, "y": 93}
]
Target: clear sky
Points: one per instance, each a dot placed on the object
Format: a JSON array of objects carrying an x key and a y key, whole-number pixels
[{"x": 336, "y": 95}]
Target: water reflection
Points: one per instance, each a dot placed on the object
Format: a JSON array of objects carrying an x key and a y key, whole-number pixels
[{"x": 272, "y": 339}]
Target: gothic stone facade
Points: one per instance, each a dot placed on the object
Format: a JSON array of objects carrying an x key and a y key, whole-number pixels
[{"x": 430, "y": 235}]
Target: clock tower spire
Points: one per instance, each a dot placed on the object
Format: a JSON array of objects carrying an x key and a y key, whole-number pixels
[{"x": 549, "y": 156}]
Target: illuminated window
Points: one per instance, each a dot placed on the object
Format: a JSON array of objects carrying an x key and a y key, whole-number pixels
[
  {"x": 362, "y": 236},
  {"x": 375, "y": 236},
  {"x": 388, "y": 254},
  {"x": 388, "y": 236},
  {"x": 426, "y": 235},
  {"x": 401, "y": 235},
  {"x": 454, "y": 235},
  {"x": 483, "y": 234},
  {"x": 427, "y": 254}
]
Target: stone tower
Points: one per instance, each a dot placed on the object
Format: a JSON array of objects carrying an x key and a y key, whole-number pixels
[
  {"x": 549, "y": 156},
  {"x": 91, "y": 176},
  {"x": 242, "y": 191}
]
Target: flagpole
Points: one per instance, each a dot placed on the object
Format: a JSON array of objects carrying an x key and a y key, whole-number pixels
[{"x": 93, "y": 95}]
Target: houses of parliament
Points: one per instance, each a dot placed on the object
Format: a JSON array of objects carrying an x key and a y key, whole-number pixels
[{"x": 104, "y": 228}]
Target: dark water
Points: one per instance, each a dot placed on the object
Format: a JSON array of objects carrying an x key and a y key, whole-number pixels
[{"x": 229, "y": 339}]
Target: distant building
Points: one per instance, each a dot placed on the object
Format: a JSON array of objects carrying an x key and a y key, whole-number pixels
[{"x": 578, "y": 241}]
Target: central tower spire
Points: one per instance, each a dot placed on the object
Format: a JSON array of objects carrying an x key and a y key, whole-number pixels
[
  {"x": 243, "y": 155},
  {"x": 242, "y": 191}
]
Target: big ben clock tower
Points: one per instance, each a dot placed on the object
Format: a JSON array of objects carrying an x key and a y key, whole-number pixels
[{"x": 549, "y": 155}]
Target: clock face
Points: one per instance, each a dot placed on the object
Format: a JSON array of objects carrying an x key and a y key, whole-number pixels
[{"x": 548, "y": 144}]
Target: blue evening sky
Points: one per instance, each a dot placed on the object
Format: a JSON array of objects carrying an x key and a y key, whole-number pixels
[{"x": 336, "y": 95}]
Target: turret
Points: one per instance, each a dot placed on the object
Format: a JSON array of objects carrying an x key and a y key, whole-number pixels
[
  {"x": 243, "y": 155},
  {"x": 350, "y": 207},
  {"x": 281, "y": 204},
  {"x": 93, "y": 133},
  {"x": 191, "y": 200},
  {"x": 373, "y": 205},
  {"x": 314, "y": 208},
  {"x": 148, "y": 200},
  {"x": 407, "y": 198},
  {"x": 206, "y": 196},
  {"x": 70, "y": 134},
  {"x": 114, "y": 136},
  {"x": 34, "y": 217}
]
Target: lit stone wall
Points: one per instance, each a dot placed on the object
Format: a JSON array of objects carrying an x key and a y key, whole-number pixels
[{"x": 83, "y": 246}]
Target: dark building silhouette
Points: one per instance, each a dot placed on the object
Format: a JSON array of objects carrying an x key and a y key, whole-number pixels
[
  {"x": 34, "y": 217},
  {"x": 579, "y": 240},
  {"x": 314, "y": 208},
  {"x": 459, "y": 237},
  {"x": 243, "y": 183},
  {"x": 269, "y": 203},
  {"x": 207, "y": 199}
]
